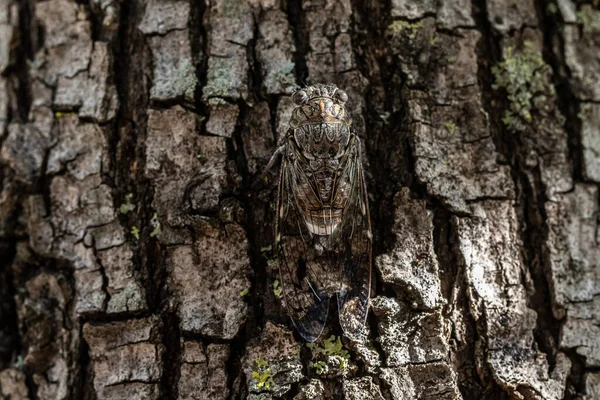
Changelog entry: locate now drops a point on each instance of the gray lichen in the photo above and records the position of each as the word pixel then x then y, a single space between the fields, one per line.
pixel 526 78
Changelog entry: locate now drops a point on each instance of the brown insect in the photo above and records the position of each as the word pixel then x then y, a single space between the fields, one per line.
pixel 323 234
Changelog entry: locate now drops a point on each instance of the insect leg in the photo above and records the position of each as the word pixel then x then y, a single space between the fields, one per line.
pixel 277 153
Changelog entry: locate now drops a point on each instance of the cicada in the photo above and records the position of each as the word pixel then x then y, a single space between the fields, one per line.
pixel 323 234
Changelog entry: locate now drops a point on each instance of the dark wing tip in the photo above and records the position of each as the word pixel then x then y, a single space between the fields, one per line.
pixel 311 324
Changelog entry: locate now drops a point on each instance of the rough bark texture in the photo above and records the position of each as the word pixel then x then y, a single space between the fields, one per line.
pixel 135 258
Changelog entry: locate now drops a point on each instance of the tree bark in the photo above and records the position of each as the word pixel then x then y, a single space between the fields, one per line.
pixel 135 240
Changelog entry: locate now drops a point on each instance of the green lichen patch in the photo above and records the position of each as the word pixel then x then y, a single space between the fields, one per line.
pixel 128 205
pixel 527 80
pixel 155 224
pixel 135 232
pixel 38 62
pixel 385 116
pixel 277 291
pixel 262 377
pixel 320 367
pixel 329 356
pixel 62 114
pixel 588 18
pixel 450 127
pixel 19 362
pixel 411 28
pixel 434 39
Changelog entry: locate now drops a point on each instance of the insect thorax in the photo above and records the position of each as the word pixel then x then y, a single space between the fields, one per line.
pixel 322 141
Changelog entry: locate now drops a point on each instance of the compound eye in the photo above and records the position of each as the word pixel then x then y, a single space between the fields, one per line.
pixel 300 97
pixel 341 96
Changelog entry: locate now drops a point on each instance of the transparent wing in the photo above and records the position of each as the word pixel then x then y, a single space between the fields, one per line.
pixel 314 267
pixel 302 270
pixel 355 243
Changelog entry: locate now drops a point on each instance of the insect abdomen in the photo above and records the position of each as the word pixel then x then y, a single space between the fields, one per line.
pixel 322 210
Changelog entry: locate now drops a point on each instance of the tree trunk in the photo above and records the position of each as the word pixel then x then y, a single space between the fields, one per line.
pixel 135 240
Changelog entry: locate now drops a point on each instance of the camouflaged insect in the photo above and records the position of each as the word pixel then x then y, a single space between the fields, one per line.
pixel 323 232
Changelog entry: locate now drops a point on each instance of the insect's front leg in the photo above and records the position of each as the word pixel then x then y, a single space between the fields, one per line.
pixel 280 150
